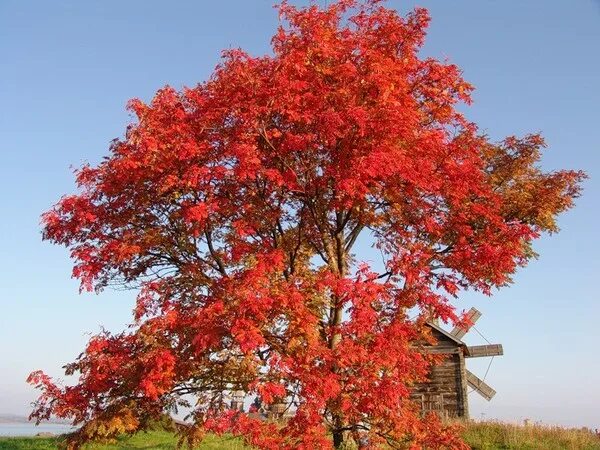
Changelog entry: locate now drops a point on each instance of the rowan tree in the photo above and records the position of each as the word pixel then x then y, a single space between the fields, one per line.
pixel 235 206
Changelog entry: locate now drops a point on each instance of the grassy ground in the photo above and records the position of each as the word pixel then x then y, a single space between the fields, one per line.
pixel 480 436
pixel 155 440
pixel 496 436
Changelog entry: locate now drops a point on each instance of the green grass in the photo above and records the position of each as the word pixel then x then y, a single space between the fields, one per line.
pixel 155 440
pixel 27 443
pixel 497 436
pixel 479 435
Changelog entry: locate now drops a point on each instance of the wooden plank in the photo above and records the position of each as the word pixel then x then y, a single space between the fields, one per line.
pixel 480 386
pixel 463 405
pixel 478 351
pixel 438 350
pixel 442 335
pixel 473 315
pixel 441 392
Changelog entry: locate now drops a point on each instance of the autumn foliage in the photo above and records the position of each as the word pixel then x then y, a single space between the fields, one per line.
pixel 235 206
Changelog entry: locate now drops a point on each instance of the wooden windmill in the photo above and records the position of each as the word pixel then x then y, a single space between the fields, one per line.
pixel 447 389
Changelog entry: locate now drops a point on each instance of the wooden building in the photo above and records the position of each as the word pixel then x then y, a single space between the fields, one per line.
pixel 446 392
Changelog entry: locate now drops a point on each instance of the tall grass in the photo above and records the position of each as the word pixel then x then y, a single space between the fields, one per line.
pixel 497 435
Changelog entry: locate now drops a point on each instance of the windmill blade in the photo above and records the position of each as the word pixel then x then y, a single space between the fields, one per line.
pixel 472 316
pixel 480 386
pixel 479 351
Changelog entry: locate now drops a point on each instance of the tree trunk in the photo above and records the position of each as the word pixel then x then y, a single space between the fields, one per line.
pixel 338 439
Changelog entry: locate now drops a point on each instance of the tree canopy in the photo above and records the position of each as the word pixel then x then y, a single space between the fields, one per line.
pixel 235 206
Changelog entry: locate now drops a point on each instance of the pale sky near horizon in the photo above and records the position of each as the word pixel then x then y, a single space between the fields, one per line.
pixel 69 67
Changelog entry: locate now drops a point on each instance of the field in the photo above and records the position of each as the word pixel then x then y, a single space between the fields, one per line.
pixel 497 435
pixel 480 436
pixel 159 440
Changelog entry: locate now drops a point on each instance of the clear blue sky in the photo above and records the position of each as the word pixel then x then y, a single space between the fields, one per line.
pixel 68 68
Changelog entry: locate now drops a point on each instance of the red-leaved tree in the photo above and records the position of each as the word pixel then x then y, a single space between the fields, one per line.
pixel 235 206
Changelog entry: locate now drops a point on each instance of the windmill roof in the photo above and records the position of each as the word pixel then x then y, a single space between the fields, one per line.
pixel 445 333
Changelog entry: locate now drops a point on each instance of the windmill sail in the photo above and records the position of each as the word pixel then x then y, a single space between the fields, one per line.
pixel 478 351
pixel 480 386
pixel 473 315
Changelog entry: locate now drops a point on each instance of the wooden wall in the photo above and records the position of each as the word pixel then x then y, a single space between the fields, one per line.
pixel 445 393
